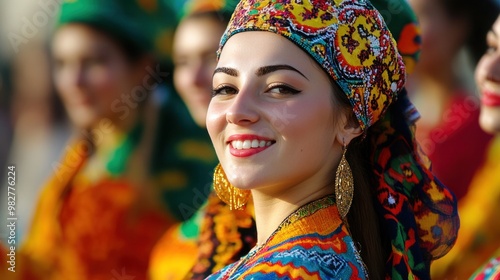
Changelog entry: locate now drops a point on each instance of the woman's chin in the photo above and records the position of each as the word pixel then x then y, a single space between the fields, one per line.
pixel 489 119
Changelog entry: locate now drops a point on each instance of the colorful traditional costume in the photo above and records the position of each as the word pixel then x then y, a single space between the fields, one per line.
pixel 350 41
pixel 102 212
pixel 490 271
pixel 312 243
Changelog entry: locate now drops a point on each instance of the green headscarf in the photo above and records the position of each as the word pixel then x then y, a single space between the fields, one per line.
pixel 147 24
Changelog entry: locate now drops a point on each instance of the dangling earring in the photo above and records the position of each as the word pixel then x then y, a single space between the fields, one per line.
pixel 232 196
pixel 344 185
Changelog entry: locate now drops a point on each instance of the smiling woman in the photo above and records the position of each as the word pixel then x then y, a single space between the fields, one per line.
pixel 346 139
pixel 479 239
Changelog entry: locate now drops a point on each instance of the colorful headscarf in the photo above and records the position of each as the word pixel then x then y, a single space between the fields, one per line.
pixel 351 42
pixel 402 22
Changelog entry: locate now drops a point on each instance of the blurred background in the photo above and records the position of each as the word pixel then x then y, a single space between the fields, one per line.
pixel 35 129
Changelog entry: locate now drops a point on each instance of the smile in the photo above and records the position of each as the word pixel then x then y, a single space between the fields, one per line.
pixel 244 145
pixel 249 144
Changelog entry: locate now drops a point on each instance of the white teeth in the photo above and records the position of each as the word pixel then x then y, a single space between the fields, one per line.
pixel 248 144
pixel 255 143
pixel 239 145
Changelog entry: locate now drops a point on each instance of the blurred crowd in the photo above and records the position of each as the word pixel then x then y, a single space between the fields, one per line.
pixel 102 113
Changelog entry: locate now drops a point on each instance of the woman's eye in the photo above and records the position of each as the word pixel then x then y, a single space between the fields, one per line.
pixel 491 48
pixel 283 89
pixel 224 90
pixel 93 62
pixel 491 43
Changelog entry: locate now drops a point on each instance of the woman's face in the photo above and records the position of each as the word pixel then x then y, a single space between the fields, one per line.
pixel 92 75
pixel 271 118
pixel 195 43
pixel 488 81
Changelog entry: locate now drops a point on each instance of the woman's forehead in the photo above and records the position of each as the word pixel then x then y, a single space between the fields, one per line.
pixel 257 48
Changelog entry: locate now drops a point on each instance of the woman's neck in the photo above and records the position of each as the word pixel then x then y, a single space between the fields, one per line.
pixel 271 210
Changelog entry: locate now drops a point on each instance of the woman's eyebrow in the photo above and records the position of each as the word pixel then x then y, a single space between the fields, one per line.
pixel 271 68
pixel 260 72
pixel 226 70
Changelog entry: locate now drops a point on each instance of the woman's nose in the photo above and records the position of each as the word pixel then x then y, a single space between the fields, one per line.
pixel 243 109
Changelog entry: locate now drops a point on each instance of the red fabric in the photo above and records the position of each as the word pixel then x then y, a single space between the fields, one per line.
pixel 457 146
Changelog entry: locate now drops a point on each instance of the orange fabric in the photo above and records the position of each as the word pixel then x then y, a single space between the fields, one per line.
pixel 173 250
pixel 100 230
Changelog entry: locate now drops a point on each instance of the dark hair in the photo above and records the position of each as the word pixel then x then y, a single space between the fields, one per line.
pixel 363 221
pixel 480 16
pixel 132 50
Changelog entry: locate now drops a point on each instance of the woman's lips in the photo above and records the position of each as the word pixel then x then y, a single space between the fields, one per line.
pixel 490 99
pixel 245 145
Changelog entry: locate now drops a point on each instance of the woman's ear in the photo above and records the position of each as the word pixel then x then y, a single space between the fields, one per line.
pixel 349 128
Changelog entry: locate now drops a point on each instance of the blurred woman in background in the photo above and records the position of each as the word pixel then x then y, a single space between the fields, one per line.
pixel 479 210
pixel 119 186
pixel 195 43
pixel 443 88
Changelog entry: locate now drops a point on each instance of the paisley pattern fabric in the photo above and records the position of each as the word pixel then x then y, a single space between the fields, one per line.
pixel 226 235
pixel 312 243
pixel 349 39
pixel 419 213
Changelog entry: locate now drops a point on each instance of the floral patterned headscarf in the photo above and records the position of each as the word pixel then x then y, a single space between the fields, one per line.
pixel 351 42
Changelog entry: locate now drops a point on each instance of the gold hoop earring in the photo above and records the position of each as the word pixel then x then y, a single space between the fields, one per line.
pixel 344 185
pixel 231 195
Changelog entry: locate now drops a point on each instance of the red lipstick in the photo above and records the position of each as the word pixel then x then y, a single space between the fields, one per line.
pixel 490 99
pixel 248 141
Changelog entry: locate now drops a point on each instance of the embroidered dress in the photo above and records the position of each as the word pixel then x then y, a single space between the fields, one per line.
pixel 101 224
pixel 311 243
pixel 490 271
pixel 226 236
